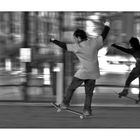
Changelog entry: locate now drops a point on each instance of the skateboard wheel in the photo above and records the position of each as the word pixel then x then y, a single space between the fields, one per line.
pixel 81 117
pixel 58 110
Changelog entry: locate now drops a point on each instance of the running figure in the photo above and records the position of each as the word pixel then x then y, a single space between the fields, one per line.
pixel 135 73
pixel 86 50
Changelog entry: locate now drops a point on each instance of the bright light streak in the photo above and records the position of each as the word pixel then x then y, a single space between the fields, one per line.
pixel 111 68
pixel 115 68
pixel 46 76
pixel 94 17
pixel 103 51
pixel 135 91
pixel 56 69
pixel 132 59
pixel 8 64
pixel 103 72
pixel 111 64
pixel 135 82
pixel 90 28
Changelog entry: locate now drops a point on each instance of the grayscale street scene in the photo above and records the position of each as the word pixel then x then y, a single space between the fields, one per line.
pixel 45 58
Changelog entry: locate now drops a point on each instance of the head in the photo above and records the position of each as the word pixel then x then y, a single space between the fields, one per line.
pixel 134 42
pixel 80 35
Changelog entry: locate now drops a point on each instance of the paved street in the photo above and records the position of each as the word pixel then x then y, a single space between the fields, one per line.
pixel 27 116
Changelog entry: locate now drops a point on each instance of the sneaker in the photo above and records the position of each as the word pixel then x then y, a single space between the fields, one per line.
pixel 87 113
pixel 64 106
pixel 123 93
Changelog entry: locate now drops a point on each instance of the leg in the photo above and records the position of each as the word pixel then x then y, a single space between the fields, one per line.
pixel 89 87
pixel 76 82
pixel 132 76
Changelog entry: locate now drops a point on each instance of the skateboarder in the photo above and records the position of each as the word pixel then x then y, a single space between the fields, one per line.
pixel 135 73
pixel 86 50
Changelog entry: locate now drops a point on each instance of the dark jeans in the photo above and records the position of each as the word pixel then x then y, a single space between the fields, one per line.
pixel 89 87
pixel 135 73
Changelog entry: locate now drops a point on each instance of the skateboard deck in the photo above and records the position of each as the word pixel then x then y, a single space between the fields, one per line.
pixel 80 114
pixel 131 98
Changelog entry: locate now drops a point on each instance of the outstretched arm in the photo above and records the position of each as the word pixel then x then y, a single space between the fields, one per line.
pixel 59 43
pixel 105 30
pixel 130 51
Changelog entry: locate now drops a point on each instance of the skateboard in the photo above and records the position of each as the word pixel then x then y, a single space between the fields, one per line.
pixel 81 115
pixel 131 98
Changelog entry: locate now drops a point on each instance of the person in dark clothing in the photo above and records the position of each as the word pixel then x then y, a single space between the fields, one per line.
pixel 86 50
pixel 135 73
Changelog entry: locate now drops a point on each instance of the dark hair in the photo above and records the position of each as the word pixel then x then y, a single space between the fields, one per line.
pixel 134 42
pixel 80 33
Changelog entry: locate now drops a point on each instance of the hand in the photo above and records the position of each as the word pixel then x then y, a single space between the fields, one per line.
pixel 52 39
pixel 107 23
